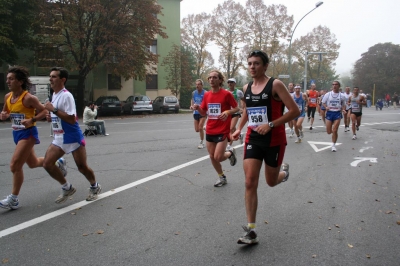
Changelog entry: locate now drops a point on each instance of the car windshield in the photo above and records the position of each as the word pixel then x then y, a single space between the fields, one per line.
pixel 110 100
pixel 171 100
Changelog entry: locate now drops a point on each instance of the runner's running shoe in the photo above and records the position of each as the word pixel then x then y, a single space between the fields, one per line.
pixel 9 203
pixel 65 194
pixel 249 238
pixel 220 181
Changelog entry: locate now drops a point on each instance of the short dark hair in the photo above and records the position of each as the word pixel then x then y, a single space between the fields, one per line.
pixel 22 74
pixel 63 73
pixel 260 54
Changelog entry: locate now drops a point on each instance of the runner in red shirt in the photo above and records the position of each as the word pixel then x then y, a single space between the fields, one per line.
pixel 220 105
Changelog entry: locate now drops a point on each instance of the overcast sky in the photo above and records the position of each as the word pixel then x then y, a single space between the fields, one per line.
pixel 357 24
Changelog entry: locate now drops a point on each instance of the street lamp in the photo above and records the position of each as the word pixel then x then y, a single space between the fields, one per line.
pixel 291 36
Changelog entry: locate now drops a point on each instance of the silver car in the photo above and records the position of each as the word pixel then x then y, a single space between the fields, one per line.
pixel 163 104
pixel 137 104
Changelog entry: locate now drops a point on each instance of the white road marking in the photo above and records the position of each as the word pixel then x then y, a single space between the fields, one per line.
pixel 326 144
pixel 80 204
pixel 361 159
pixel 365 148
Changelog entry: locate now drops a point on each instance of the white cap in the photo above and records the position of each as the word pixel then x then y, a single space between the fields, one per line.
pixel 232 79
pixel 297 87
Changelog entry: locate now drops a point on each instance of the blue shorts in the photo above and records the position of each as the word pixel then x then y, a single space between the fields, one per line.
pixel 333 116
pixel 323 107
pixel 26 134
pixel 302 114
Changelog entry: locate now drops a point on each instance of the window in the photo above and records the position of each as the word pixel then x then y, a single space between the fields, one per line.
pixel 153 47
pixel 151 82
pixel 2 82
pixel 114 82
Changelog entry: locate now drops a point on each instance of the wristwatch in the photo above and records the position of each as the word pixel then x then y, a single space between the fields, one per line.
pixel 271 125
pixel 55 110
pixel 33 120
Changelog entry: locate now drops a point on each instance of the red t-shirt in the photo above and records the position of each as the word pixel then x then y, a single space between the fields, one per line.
pixel 215 104
pixel 312 95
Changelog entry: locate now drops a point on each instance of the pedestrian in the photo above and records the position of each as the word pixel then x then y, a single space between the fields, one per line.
pixel 290 123
pixel 199 120
pixel 335 104
pixel 220 105
pixel 89 119
pixel 238 96
pixel 395 99
pixel 356 101
pixel 346 118
pixel 264 102
pixel 301 99
pixel 312 96
pixel 24 110
pixel 68 137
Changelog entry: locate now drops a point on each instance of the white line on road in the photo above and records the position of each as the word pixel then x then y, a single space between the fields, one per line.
pixel 77 205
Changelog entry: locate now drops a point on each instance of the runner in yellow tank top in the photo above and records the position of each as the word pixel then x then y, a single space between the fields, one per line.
pixel 20 108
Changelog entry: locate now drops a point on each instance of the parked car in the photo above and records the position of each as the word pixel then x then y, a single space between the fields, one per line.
pixel 136 104
pixel 108 105
pixel 163 104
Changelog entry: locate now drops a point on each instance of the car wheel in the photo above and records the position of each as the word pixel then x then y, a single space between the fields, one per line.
pixel 131 111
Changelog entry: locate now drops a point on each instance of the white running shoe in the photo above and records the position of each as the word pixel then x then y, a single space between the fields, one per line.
pixel 229 147
pixel 301 134
pixel 333 148
pixel 298 140
pixel 200 146
pixel 354 137
pixel 291 133
pixel 9 203
pixel 62 164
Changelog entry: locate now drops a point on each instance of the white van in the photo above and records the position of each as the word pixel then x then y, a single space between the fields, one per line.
pixel 40 87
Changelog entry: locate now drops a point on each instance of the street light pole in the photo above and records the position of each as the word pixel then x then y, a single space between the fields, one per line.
pixel 291 36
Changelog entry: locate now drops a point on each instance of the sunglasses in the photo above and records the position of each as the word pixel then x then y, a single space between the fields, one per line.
pixel 261 54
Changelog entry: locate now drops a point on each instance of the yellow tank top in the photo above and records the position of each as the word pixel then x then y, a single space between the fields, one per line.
pixel 19 108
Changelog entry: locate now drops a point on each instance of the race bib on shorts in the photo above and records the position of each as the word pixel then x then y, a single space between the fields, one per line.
pixel 214 110
pixel 257 116
pixel 16 121
pixel 56 124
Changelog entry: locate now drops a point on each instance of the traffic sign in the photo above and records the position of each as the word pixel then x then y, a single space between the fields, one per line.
pixel 284 76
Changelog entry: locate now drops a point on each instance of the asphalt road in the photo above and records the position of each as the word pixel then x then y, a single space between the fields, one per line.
pixel 159 205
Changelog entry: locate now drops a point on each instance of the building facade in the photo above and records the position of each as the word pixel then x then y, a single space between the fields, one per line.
pixel 100 82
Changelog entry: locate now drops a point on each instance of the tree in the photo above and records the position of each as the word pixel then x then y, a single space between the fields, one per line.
pixel 267 28
pixel 112 32
pixel 196 33
pixel 319 40
pixel 179 65
pixel 17 19
pixel 380 65
pixel 228 21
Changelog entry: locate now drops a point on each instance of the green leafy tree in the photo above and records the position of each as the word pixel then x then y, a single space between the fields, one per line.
pixel 320 39
pixel 17 20
pixel 380 65
pixel 179 65
pixel 112 32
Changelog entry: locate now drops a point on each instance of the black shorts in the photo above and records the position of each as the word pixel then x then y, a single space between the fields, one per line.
pixel 357 114
pixel 197 117
pixel 236 115
pixel 272 156
pixel 311 110
pixel 217 138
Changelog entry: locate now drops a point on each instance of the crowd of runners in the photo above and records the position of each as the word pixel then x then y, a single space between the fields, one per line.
pixel 263 107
